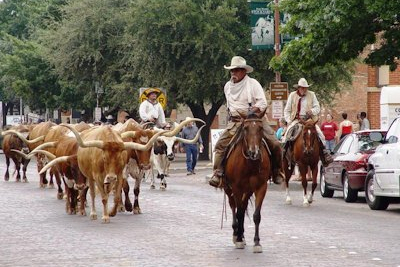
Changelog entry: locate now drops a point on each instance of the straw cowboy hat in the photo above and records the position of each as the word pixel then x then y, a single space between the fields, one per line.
pixel 153 91
pixel 238 62
pixel 303 83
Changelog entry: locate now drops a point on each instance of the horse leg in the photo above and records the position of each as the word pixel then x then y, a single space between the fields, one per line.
pixel 7 174
pixel 314 183
pixel 303 172
pixel 24 167
pixel 232 204
pixel 260 194
pixel 240 243
pixel 288 175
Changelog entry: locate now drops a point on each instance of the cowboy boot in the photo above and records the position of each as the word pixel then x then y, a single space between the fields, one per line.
pixel 278 175
pixel 324 154
pixel 216 180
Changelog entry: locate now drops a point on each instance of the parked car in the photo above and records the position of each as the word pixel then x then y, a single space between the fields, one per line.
pixel 349 168
pixel 382 185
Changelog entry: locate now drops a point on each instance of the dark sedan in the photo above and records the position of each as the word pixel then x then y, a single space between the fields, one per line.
pixel 348 171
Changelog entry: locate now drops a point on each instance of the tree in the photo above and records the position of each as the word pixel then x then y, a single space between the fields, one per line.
pixel 183 46
pixel 333 33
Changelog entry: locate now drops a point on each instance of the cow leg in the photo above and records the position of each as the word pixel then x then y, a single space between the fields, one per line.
pixel 17 169
pixel 92 188
pixel 163 184
pixel 117 196
pixel 136 191
pixel 43 181
pixel 152 186
pixel 7 174
pixel 126 188
pixel 82 200
pixel 24 167
pixel 56 173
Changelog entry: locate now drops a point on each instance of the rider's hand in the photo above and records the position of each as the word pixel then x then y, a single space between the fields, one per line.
pixel 309 113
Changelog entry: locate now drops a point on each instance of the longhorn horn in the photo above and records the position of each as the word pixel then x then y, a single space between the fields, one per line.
pixel 194 140
pixel 81 143
pixel 26 141
pixel 179 127
pixel 45 145
pixel 136 146
pixel 127 134
pixel 54 162
pixel 33 153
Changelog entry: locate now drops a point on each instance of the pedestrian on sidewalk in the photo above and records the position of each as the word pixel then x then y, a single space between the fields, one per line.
pixel 189 132
pixel 329 129
pixel 345 127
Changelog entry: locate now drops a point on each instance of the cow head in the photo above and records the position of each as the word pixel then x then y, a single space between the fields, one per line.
pixel 165 145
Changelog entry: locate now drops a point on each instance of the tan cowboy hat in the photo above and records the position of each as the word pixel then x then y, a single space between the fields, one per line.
pixel 151 91
pixel 238 62
pixel 303 83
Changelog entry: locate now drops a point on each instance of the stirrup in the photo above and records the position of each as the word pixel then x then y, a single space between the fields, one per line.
pixel 216 179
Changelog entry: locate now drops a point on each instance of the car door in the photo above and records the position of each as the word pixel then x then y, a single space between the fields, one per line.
pixel 387 167
pixel 334 170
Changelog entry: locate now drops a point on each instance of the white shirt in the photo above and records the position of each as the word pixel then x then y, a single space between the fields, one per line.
pixel 315 108
pixel 239 94
pixel 148 110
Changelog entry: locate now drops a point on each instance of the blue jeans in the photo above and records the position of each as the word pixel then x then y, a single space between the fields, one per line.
pixel 330 144
pixel 191 156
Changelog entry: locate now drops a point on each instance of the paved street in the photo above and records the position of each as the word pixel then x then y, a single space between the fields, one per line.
pixel 181 227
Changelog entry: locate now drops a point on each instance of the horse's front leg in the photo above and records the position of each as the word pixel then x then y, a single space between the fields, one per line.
pixel 288 175
pixel 232 204
pixel 303 172
pixel 260 194
pixel 314 183
pixel 241 202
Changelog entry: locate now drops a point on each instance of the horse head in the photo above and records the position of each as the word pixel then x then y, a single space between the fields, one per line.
pixel 252 137
pixel 310 136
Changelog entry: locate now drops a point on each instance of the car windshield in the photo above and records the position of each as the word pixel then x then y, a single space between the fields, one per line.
pixel 365 143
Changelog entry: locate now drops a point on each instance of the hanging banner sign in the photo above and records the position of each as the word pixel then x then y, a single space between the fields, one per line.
pixel 262 25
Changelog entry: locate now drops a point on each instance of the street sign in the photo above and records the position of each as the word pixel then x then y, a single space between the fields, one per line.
pixel 162 97
pixel 277 109
pixel 279 90
pixel 262 25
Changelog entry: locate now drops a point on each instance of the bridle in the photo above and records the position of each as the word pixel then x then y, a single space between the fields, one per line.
pixel 258 151
pixel 309 137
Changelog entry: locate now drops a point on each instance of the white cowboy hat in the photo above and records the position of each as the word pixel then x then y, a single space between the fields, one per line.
pixel 110 117
pixel 238 62
pixel 303 83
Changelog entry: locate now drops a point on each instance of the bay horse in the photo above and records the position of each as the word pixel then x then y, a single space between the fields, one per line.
pixel 305 153
pixel 247 170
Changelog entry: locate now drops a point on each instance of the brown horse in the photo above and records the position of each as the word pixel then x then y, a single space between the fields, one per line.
pixel 247 171
pixel 305 153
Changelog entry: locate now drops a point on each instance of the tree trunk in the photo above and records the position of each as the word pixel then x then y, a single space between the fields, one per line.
pixel 199 112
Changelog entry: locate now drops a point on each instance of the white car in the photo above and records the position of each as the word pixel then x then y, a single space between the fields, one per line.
pixel 382 185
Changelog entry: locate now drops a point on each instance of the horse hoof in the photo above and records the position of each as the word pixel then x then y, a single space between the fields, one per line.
pixel 240 245
pixel 25 180
pixel 234 238
pixel 137 211
pixel 288 202
pixel 51 186
pixel 257 249
pixel 306 204
pixel 152 186
pixel 18 180
pixel 60 195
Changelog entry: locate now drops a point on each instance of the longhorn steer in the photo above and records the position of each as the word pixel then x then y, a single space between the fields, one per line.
pixel 102 157
pixel 163 154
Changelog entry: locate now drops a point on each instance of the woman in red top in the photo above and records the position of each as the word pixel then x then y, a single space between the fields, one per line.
pixel 329 129
pixel 345 127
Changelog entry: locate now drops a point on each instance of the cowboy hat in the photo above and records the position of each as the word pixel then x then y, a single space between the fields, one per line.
pixel 152 91
pixel 303 83
pixel 238 62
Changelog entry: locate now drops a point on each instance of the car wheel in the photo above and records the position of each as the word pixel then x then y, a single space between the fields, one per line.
pixel 374 202
pixel 325 191
pixel 349 194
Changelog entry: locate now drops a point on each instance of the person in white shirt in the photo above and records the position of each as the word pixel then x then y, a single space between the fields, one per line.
pixel 243 93
pixel 151 110
pixel 303 104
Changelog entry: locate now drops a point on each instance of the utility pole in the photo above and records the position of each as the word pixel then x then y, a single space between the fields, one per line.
pixel 277 45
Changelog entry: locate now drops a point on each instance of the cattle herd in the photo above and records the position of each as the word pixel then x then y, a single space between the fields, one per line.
pixel 96 158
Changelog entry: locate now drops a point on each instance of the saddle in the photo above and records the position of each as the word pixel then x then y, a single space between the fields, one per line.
pixel 291 136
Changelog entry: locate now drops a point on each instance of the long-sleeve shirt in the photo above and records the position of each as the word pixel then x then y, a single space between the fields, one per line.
pixel 148 110
pixel 239 95
pixel 308 102
pixel 190 132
